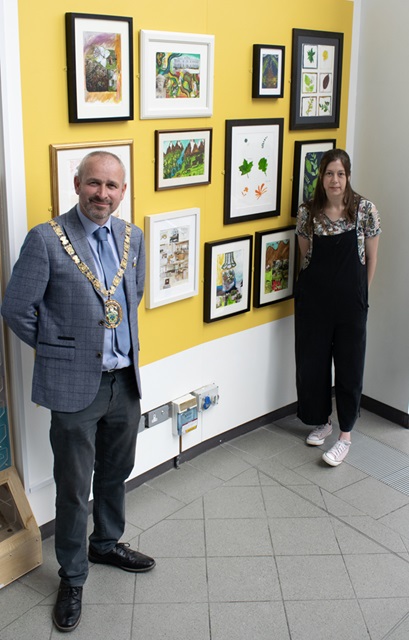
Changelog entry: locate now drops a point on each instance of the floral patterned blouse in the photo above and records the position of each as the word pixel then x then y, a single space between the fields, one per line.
pixel 368 226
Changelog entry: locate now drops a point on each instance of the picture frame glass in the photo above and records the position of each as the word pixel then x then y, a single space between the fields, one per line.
pixel 176 75
pixel 183 158
pixel 253 169
pixel 275 259
pixel 227 279
pixel 307 158
pixel 100 67
pixel 173 256
pixel 316 79
pixel 268 71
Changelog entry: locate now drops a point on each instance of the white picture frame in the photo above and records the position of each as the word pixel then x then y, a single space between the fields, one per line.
pixel 172 243
pixel 176 75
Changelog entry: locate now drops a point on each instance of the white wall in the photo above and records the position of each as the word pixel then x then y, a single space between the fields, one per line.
pixel 254 370
pixel 381 172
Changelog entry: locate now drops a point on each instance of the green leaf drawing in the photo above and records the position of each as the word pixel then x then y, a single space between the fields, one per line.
pixel 263 164
pixel 246 167
pixel 311 55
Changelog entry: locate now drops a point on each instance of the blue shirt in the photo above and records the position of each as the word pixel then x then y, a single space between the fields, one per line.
pixel 111 359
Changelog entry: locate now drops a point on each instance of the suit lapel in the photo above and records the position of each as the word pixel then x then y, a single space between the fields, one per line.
pixel 78 238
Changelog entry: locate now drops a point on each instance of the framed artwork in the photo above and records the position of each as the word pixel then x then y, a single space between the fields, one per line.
pixel 274 265
pixel 183 158
pixel 227 277
pixel 65 158
pixel 176 75
pixel 253 159
pixel 307 158
pixel 172 241
pixel 316 79
pixel 268 71
pixel 99 67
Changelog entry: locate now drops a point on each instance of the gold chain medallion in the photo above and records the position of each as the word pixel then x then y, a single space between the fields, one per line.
pixel 113 310
pixel 113 314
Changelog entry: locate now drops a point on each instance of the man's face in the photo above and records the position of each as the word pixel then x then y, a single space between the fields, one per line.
pixel 100 189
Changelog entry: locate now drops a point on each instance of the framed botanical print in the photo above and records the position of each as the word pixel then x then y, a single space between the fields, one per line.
pixel 316 79
pixel 253 165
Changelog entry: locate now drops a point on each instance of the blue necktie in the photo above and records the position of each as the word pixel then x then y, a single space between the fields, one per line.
pixel 110 267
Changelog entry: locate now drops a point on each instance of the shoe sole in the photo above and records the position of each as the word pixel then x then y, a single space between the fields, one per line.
pixel 118 566
pixel 66 629
pixel 332 463
pixel 317 443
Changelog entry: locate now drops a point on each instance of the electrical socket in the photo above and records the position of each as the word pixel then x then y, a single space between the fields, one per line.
pixel 158 415
pixel 206 396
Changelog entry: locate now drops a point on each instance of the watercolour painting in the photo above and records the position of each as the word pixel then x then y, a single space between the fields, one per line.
pixel 182 158
pixel 274 271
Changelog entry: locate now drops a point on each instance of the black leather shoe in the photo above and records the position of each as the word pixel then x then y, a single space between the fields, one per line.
pixel 67 610
pixel 123 557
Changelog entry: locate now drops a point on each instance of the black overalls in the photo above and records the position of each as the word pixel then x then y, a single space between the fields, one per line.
pixel 331 307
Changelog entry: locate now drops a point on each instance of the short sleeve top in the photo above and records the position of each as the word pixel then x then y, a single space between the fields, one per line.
pixel 367 225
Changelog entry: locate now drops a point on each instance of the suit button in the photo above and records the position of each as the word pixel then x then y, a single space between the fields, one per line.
pixel 99 355
pixel 101 323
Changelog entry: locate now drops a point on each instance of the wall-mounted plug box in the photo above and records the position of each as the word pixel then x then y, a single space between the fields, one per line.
pixel 184 412
pixel 158 415
pixel 206 396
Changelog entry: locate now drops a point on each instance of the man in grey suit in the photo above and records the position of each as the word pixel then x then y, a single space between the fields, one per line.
pixel 81 319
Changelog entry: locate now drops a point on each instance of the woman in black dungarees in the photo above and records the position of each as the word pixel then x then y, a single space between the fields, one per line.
pixel 338 233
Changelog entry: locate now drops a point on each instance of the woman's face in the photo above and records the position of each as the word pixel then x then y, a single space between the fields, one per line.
pixel 334 179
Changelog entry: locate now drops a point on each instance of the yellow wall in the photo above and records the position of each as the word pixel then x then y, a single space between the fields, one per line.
pixel 236 25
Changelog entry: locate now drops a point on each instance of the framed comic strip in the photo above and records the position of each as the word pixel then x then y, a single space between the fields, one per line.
pixel 64 160
pixel 176 75
pixel 307 158
pixel 227 278
pixel 268 71
pixel 99 67
pixel 253 165
pixel 183 158
pixel 274 265
pixel 172 241
pixel 316 79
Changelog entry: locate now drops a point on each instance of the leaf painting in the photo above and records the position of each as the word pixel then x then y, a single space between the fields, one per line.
pixel 246 167
pixel 262 165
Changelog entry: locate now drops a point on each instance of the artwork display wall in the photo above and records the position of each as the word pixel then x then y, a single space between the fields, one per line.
pixel 177 81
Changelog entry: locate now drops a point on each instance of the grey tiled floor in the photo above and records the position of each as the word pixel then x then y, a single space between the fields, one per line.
pixel 257 539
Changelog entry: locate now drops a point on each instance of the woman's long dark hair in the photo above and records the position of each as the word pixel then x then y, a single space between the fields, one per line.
pixel 317 204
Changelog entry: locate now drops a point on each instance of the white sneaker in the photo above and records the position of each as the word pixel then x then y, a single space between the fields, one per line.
pixel 337 453
pixel 318 435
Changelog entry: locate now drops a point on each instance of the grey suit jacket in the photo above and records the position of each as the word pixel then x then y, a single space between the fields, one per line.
pixel 52 306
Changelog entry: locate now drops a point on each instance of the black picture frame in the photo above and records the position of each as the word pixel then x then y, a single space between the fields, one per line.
pixel 227 278
pixel 275 258
pixel 99 67
pixel 253 169
pixel 316 73
pixel 307 158
pixel 268 71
